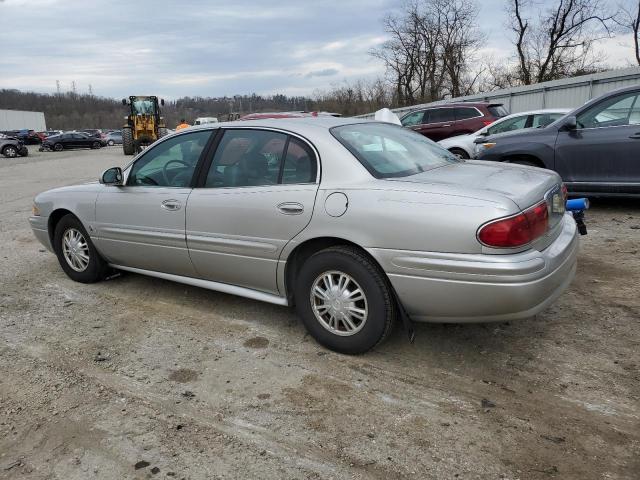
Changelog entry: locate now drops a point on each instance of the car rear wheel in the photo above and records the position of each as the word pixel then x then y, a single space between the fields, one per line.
pixel 76 253
pixel 10 151
pixel 95 145
pixel 460 153
pixel 111 143
pixel 58 147
pixel 344 300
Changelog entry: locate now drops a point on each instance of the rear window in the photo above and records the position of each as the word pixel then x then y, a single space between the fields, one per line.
pixel 388 151
pixel 497 111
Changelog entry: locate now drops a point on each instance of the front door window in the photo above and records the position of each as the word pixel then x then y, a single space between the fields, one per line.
pixel 171 163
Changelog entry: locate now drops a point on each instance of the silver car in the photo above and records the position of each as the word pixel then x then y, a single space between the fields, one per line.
pixel 355 223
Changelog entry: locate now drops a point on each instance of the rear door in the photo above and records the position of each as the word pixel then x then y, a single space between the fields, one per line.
pixel 142 224
pixel 468 120
pixel 439 123
pixel 603 152
pixel 258 194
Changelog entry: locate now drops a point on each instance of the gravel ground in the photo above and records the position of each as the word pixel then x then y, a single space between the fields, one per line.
pixel 141 378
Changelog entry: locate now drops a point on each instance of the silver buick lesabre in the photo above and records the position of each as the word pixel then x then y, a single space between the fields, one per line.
pixel 355 223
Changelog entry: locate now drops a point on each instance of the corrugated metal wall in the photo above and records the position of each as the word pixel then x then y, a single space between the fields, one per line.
pixel 18 120
pixel 565 93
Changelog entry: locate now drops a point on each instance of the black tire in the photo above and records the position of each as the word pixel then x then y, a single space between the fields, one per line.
pixel 24 152
pixel 381 307
pixel 10 151
pixel 111 143
pixel 460 153
pixel 128 145
pixel 58 147
pixel 96 145
pixel 96 268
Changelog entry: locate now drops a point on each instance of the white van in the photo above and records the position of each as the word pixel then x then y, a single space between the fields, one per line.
pixel 205 120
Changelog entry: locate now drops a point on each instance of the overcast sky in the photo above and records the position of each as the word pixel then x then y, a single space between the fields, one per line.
pixel 209 48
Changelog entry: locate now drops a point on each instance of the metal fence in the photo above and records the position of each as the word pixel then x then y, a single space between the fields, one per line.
pixel 565 93
pixel 19 119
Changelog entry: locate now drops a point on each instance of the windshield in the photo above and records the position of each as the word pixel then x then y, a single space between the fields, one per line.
pixel 143 106
pixel 391 151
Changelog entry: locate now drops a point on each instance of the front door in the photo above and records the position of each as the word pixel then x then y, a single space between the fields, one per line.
pixel 258 194
pixel 603 152
pixel 142 224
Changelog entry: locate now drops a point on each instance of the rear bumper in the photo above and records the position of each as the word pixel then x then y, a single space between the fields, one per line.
pixel 460 288
pixel 39 227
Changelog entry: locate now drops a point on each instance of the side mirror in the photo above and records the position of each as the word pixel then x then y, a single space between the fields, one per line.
pixel 162 102
pixel 570 123
pixel 112 176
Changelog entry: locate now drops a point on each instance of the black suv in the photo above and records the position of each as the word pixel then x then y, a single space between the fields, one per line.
pixel 595 148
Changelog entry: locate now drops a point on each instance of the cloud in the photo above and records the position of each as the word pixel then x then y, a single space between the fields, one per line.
pixel 211 48
pixel 326 72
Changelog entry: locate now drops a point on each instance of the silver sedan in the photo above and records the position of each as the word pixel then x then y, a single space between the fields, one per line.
pixel 355 223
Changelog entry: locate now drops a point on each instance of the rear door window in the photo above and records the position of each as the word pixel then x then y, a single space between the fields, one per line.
pixel 463 113
pixel 439 115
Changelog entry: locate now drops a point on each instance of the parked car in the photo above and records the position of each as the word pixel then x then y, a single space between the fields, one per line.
pixel 71 140
pixel 28 137
pixel 595 148
pixel 11 147
pixel 464 146
pixel 446 120
pixel 353 222
pixel 48 133
pixel 92 132
pixel 113 138
pixel 205 120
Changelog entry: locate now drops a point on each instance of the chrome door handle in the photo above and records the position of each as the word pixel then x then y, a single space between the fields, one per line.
pixel 291 208
pixel 171 205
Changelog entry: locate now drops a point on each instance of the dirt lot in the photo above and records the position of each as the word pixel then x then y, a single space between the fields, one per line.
pixel 142 378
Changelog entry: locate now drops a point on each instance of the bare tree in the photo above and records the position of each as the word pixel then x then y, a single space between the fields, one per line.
pixel 560 43
pixel 430 50
pixel 628 20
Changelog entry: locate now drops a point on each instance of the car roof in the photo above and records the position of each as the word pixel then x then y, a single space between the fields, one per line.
pixel 294 124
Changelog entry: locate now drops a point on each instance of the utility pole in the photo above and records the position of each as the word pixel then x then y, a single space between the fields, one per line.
pixel 90 91
pixel 58 87
pixel 73 87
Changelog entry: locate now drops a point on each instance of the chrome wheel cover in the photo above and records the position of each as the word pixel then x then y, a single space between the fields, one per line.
pixel 339 303
pixel 75 250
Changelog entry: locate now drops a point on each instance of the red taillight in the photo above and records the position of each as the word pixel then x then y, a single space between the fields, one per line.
pixel 487 122
pixel 517 230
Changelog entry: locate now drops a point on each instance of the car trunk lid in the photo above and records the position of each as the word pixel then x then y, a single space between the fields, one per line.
pixel 525 186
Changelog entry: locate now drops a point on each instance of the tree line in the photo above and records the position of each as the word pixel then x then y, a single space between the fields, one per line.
pixel 435 50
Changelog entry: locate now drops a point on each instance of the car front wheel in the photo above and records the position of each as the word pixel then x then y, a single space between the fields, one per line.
pixel 344 300
pixel 76 253
pixel 10 151
pixel 58 147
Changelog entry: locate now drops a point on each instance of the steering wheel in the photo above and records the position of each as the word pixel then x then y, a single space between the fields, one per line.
pixel 164 169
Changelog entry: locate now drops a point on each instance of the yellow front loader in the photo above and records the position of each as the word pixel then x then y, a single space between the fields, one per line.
pixel 143 125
